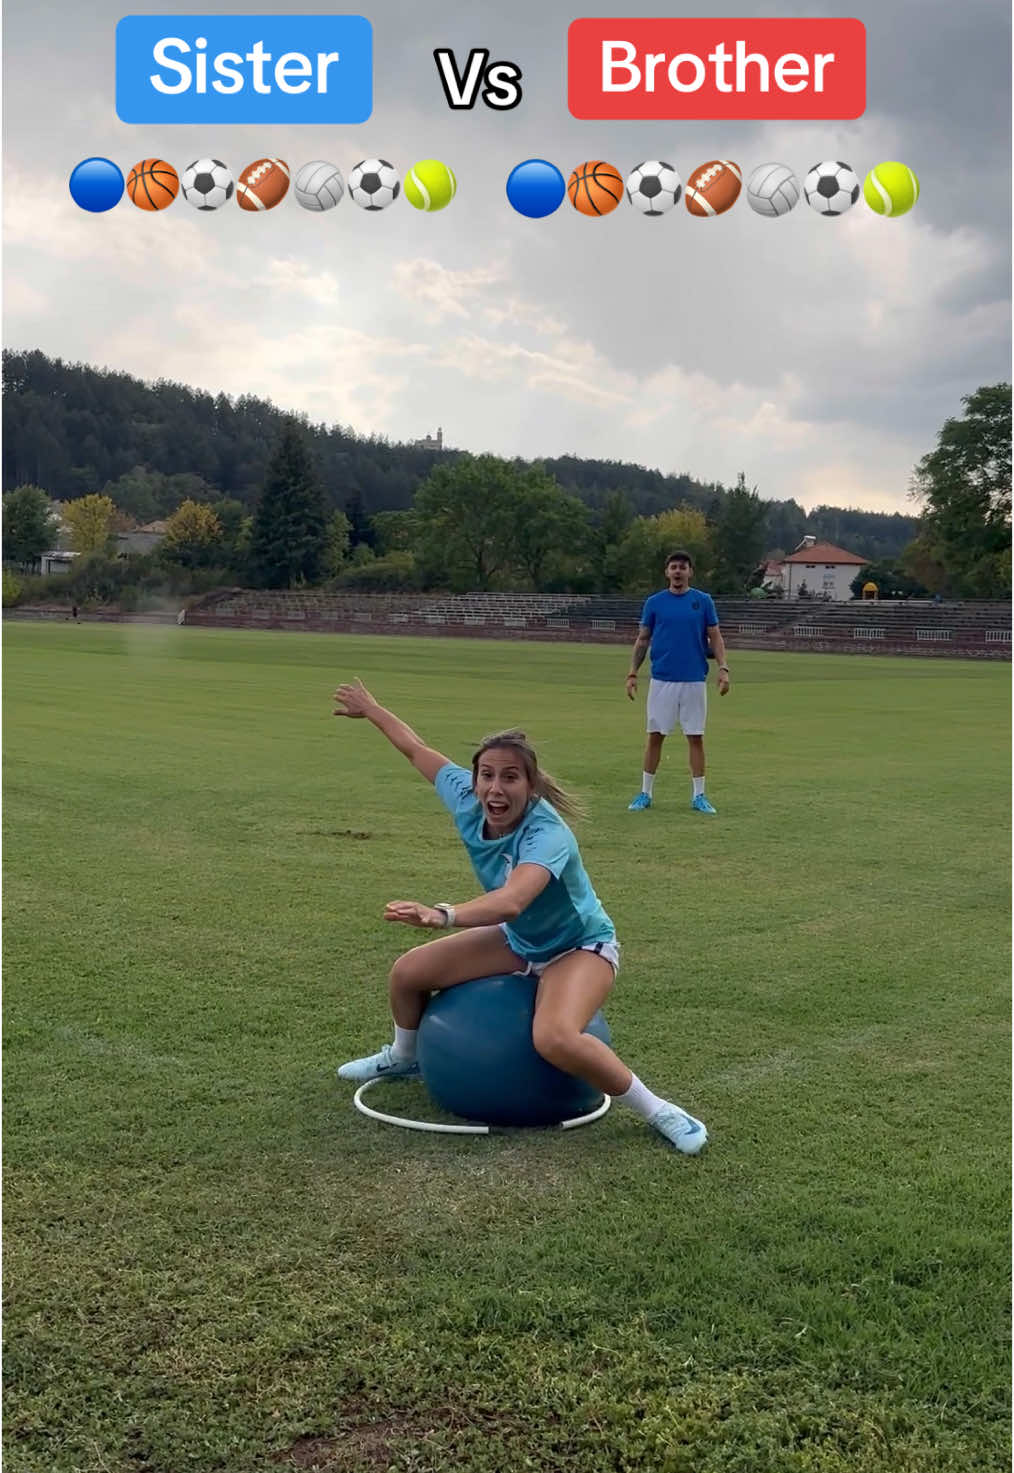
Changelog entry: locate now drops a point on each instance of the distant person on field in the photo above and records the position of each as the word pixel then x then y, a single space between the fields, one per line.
pixel 539 917
pixel 73 612
pixel 679 625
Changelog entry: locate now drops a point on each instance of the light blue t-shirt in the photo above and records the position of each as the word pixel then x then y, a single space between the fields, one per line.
pixel 567 913
pixel 679 624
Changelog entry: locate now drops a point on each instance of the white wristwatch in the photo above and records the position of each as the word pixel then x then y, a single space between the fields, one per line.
pixel 447 912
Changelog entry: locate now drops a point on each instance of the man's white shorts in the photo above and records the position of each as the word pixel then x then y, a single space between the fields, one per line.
pixel 677 701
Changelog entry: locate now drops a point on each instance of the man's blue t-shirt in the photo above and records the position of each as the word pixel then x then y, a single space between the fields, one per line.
pixel 567 913
pixel 679 624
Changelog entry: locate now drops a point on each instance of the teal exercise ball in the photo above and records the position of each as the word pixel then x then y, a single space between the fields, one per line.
pixel 478 1061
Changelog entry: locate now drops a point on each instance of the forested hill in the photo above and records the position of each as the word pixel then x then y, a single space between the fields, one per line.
pixel 73 429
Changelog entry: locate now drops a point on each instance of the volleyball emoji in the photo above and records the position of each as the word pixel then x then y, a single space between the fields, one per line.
pixel 430 185
pixel 153 184
pixel 772 190
pixel 595 188
pixel 319 185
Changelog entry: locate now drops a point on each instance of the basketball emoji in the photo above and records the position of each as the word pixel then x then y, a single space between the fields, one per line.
pixel 153 184
pixel 595 188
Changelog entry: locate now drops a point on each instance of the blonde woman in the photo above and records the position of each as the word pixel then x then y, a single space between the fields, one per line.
pixel 539 916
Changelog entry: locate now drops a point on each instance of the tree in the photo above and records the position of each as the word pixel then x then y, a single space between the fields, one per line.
pixel 30 527
pixel 360 525
pixel 785 525
pixel 549 524
pixel 892 579
pixel 231 515
pixel 872 534
pixel 393 531
pixel 649 540
pixel 290 524
pixel 89 521
pixel 966 486
pixel 467 516
pixel 739 538
pixel 139 492
pixel 193 536
pixel 336 549
pixel 921 562
pixel 393 571
pixel 610 528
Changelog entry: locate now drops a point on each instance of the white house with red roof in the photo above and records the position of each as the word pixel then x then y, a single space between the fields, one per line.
pixel 822 570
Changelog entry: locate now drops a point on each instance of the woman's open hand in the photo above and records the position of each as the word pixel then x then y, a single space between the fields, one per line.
pixel 414 913
pixel 353 700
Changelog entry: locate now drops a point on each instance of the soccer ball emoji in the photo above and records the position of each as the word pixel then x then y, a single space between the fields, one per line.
pixel 654 187
pixel 374 184
pixel 831 188
pixel 207 184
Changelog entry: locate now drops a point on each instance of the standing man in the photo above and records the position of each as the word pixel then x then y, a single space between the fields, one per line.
pixel 679 624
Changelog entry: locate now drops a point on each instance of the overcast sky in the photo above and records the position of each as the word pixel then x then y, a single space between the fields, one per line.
pixel 819 356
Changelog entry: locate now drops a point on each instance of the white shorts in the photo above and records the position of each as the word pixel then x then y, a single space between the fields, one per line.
pixel 609 951
pixel 672 701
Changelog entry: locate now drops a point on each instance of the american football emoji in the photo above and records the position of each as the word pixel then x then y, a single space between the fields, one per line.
pixel 714 187
pixel 262 184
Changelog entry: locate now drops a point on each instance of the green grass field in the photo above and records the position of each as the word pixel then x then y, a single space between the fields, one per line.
pixel 214 1263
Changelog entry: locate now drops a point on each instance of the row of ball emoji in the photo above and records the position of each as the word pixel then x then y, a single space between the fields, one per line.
pixel 207 184
pixel 535 188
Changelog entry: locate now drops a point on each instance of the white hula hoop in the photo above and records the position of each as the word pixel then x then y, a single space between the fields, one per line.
pixel 432 1125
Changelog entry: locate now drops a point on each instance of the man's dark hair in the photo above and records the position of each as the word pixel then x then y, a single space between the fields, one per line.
pixel 680 556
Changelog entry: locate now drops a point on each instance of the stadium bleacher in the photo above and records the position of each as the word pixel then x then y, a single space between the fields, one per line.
pixel 915 626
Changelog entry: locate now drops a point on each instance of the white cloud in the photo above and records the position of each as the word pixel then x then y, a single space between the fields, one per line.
pixel 437 292
pixel 819 356
pixel 296 279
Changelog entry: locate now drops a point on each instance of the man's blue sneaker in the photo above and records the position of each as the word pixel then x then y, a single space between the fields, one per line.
pixel 385 1065
pixel 643 800
pixel 682 1130
pixel 700 804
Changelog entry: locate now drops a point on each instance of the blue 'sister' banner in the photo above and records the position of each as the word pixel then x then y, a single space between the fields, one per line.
pixel 244 69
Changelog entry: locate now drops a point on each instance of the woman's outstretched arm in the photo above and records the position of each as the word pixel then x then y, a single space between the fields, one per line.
pixel 355 701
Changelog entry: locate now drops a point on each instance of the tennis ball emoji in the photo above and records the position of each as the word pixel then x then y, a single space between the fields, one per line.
pixel 891 189
pixel 430 185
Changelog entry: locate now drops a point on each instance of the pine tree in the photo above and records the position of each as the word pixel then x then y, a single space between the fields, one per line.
pixel 739 538
pixel 290 524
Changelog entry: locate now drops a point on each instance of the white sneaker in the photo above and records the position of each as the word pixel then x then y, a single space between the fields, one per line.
pixel 384 1065
pixel 683 1131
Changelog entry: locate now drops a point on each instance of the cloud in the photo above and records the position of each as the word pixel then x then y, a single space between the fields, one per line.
pixel 819 356
pixel 438 292
pixel 289 278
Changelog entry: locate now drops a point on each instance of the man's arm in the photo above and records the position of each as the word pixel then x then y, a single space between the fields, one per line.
pixel 356 701
pixel 717 644
pixel 642 644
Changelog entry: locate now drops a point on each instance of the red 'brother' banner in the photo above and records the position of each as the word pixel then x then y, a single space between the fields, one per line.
pixel 715 68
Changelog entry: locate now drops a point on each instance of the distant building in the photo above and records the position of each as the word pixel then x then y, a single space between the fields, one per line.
pixel 826 570
pixel 140 539
pixel 772 577
pixel 57 561
pixel 428 442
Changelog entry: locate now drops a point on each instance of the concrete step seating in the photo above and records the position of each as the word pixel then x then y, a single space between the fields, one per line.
pixel 972 622
pixel 908 621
